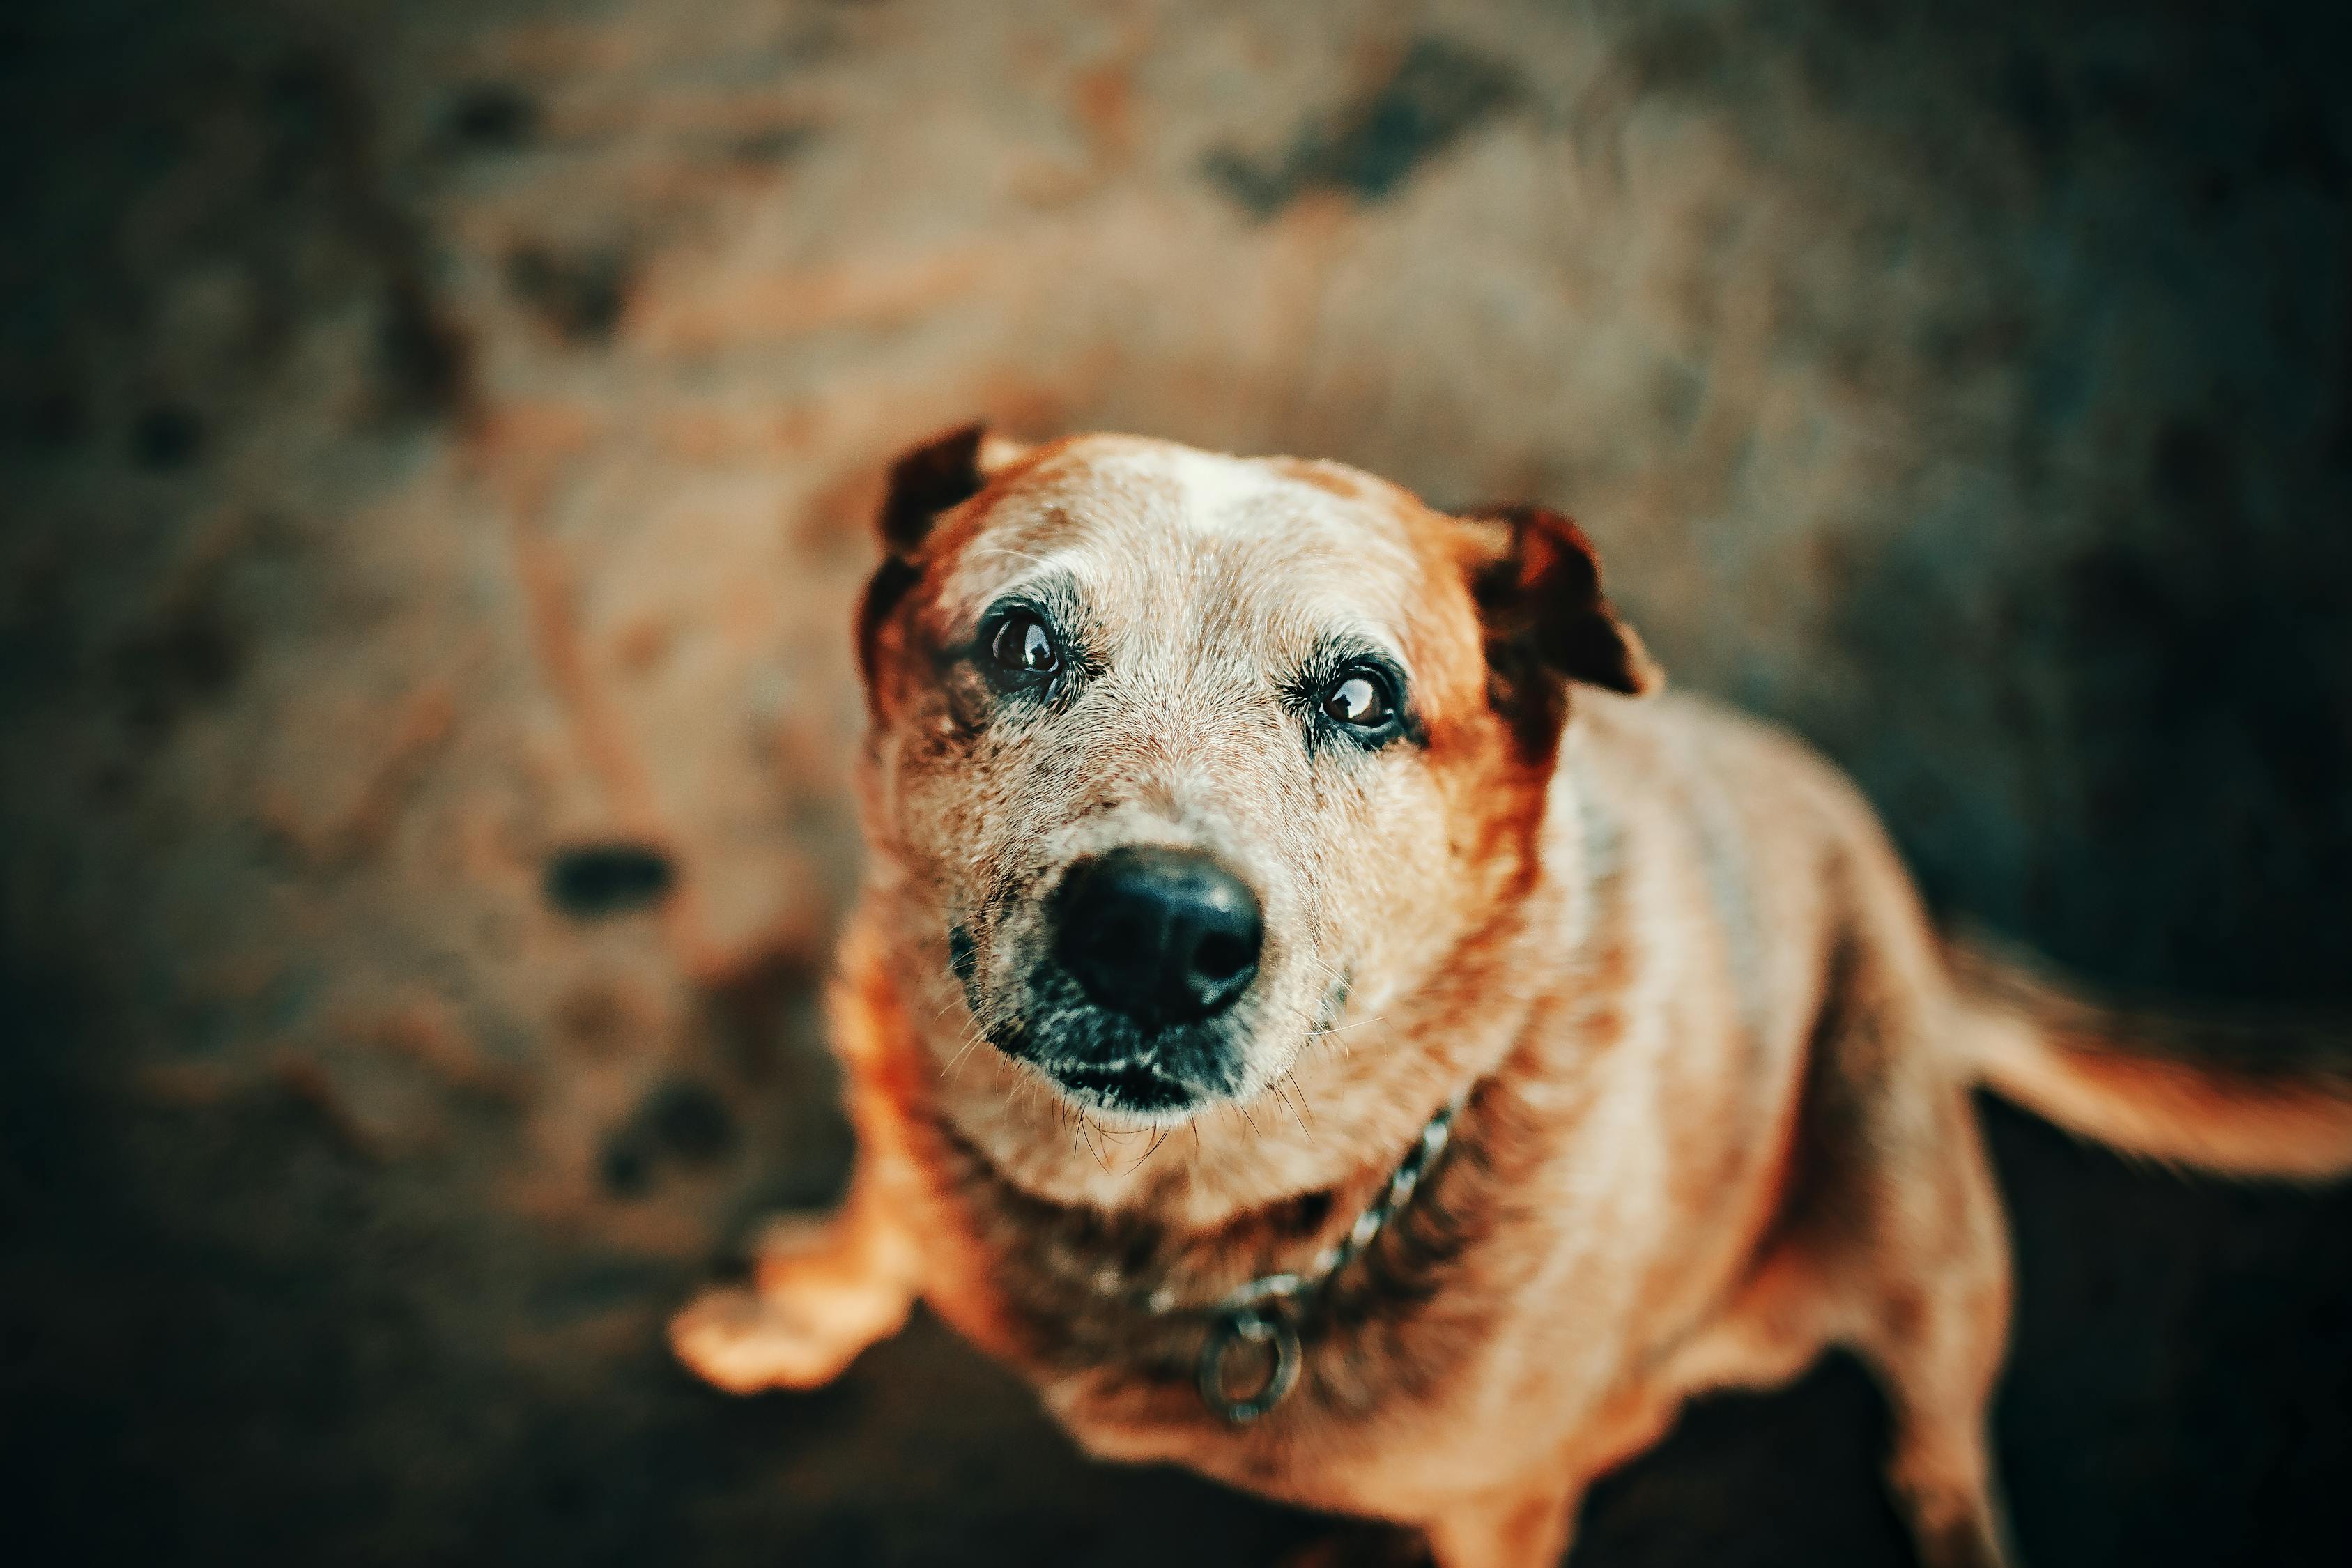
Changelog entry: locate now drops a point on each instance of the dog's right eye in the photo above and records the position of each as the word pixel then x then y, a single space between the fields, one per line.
pixel 1023 646
pixel 1358 700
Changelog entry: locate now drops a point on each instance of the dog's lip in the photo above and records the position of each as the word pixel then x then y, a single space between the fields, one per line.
pixel 1134 1086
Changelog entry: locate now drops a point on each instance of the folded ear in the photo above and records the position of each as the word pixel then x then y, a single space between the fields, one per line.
pixel 936 477
pixel 925 482
pixel 1537 583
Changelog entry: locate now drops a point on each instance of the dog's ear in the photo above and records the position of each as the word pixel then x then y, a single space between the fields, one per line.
pixel 1537 583
pixel 927 481
pixel 936 477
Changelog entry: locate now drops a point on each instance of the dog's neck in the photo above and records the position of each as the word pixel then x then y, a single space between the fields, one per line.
pixel 1079 1292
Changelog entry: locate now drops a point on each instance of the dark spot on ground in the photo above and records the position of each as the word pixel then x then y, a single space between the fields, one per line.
pixel 1437 93
pixel 597 880
pixel 493 116
pixel 190 654
pixel 167 436
pixel 423 362
pixel 686 1119
pixel 579 294
pixel 681 1121
pixel 624 1164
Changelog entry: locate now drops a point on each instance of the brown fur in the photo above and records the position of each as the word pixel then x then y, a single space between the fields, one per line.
pixel 1716 1062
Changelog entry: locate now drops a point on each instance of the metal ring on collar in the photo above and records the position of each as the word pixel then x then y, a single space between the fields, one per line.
pixel 1267 1321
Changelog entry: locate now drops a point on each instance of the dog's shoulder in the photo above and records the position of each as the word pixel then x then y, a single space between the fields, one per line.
pixel 1773 847
pixel 1701 752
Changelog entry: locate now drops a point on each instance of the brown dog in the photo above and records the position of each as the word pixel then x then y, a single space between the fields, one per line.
pixel 1233 823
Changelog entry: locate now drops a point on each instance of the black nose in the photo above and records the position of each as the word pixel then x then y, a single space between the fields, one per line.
pixel 1165 936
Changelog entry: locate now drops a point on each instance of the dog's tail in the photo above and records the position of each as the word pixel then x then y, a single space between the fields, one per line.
pixel 2244 1097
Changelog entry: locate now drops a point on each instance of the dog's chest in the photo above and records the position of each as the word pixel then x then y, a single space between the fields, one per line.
pixel 1108 1314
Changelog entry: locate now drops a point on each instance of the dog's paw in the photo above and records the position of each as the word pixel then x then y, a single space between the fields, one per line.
pixel 744 1342
pixel 813 1310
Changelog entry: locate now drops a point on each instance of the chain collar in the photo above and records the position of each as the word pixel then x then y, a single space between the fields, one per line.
pixel 1267 1311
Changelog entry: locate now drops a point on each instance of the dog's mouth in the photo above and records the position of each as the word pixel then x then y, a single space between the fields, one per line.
pixel 1104 1060
pixel 1138 1090
pixel 1101 1063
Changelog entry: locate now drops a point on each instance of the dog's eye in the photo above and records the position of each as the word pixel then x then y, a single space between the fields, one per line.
pixel 1358 697
pixel 1023 643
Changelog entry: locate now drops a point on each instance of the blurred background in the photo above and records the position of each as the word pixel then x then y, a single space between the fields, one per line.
pixel 436 445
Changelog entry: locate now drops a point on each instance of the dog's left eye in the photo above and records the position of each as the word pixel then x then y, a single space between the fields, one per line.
pixel 1358 697
pixel 1022 644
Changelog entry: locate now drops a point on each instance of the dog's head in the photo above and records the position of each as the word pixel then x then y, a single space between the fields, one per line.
pixel 1174 752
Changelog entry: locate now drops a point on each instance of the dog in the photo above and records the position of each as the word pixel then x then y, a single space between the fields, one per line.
pixel 1315 1014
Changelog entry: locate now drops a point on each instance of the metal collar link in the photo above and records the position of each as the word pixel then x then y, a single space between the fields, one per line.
pixel 1267 1311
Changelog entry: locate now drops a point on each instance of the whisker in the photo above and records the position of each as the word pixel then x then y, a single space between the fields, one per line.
pixel 1294 1089
pixel 962 1051
pixel 1285 1099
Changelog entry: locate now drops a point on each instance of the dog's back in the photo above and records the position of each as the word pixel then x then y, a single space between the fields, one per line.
pixel 1791 846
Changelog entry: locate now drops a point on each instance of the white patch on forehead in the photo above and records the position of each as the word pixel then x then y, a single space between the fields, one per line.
pixel 1220 493
pixel 1138 519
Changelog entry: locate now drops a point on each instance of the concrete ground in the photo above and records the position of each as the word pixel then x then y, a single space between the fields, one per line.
pixel 436 441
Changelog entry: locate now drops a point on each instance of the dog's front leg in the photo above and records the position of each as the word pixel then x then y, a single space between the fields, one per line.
pixel 1525 1526
pixel 822 1291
